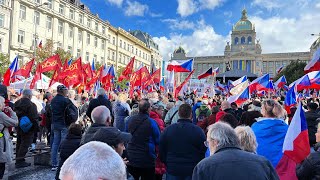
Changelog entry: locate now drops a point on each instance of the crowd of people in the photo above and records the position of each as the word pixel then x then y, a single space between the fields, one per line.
pixel 153 136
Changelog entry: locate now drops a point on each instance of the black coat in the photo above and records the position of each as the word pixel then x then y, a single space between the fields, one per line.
pixel 233 163
pixel 312 122
pixel 87 136
pixel 69 146
pixel 100 100
pixel 310 167
pixel 182 147
pixel 24 107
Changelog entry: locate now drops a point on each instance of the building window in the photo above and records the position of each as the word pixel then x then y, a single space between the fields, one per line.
pixel 243 40
pixel 103 45
pixel 113 55
pixel 236 40
pixel 22 14
pixel 37 1
pixel 36 18
pixel 95 42
pixel 120 58
pixel 61 9
pixel 78 52
pixel 80 35
pixel 95 57
pixel 109 38
pixel 2 2
pixel 132 49
pixel 81 18
pixel 143 55
pixel 49 23
pixel 97 26
pixel 1 40
pixel 60 27
pixel 71 14
pixel 120 44
pixel 108 54
pixel 89 23
pixel 128 49
pixel 49 4
pixel 70 49
pixel 20 36
pixel 1 20
pixel 124 45
pixel 114 41
pixel 59 45
pixel 139 53
pixel 88 38
pixel 249 40
pixel 103 30
pixel 70 31
pixel 102 60
pixel 87 56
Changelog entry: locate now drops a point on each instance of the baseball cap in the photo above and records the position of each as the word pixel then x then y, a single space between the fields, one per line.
pixel 61 88
pixel 111 136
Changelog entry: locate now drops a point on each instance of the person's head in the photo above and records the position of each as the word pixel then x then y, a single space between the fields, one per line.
pixel 47 96
pixel 271 108
pixel 144 106
pixel 312 106
pixel 101 115
pixel 234 105
pixel 2 104
pixel 185 111
pixel 62 90
pixel 215 109
pixel 205 101
pixel 318 134
pixel 93 160
pixel 113 137
pixel 75 129
pixel 158 108
pixel 230 119
pixel 247 138
pixel 221 135
pixel 27 93
pixel 225 105
pixel 71 94
pixel 123 97
pixel 101 92
pixel 3 91
pixel 169 105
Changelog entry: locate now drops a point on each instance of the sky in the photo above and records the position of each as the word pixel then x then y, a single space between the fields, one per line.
pixel 202 27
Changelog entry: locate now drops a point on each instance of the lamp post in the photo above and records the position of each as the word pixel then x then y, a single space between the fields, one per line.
pixel 35 29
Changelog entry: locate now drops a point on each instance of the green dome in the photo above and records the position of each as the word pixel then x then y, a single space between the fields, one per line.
pixel 180 50
pixel 244 23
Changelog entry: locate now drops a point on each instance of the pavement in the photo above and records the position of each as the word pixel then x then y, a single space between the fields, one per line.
pixel 36 173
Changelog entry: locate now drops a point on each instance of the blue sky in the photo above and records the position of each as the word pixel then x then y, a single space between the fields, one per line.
pixel 202 27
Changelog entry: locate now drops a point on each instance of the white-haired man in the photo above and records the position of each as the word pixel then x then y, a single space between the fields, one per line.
pixel 94 160
pixel 100 100
pixel 229 161
pixel 101 118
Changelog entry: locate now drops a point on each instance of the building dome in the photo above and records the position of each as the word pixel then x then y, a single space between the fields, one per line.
pixel 179 50
pixel 243 24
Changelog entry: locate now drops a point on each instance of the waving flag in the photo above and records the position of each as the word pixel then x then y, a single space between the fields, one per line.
pixel 87 71
pixel 260 83
pixel 239 88
pixel 10 71
pixel 178 89
pixel 25 70
pixel 183 66
pixel 128 70
pixel 209 72
pixel 238 81
pixel 280 82
pixel 314 78
pixel 295 146
pixel 55 77
pixel 280 69
pixel 290 100
pixel 216 71
pixel 270 86
pixel 240 98
pixel 314 64
pixel 140 76
pixel 162 84
pixel 36 77
pixel 40 44
pixel 155 77
pixel 301 83
pixel 50 63
pixel 220 86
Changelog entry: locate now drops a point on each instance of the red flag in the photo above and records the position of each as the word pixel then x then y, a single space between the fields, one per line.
pixel 140 76
pixel 128 70
pixel 36 77
pixel 87 70
pixel 156 76
pixel 55 77
pixel 94 79
pixel 74 68
pixel 40 44
pixel 65 65
pixel 178 89
pixel 25 70
pixel 50 63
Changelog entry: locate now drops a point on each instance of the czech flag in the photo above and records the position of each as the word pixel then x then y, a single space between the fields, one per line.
pixel 314 78
pixel 162 84
pixel 290 100
pixel 280 82
pixel 209 72
pixel 260 83
pixel 238 81
pixel 295 146
pixel 216 71
pixel 241 97
pixel 314 64
pixel 301 83
pixel 280 69
pixel 220 86
pixel 183 66
pixel 14 66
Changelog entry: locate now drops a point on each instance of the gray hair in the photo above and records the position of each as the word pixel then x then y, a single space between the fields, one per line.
pixel 71 93
pixel 224 134
pixel 27 93
pixel 101 92
pixel 94 160
pixel 100 114
pixel 2 100
pixel 225 105
pixel 248 141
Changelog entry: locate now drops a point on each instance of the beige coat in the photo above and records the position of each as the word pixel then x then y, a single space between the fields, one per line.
pixel 5 122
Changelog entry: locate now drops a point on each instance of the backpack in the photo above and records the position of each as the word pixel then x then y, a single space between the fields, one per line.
pixel 202 114
pixel 70 113
pixel 25 124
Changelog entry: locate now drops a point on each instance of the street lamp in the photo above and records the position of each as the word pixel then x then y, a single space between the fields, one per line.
pixel 35 30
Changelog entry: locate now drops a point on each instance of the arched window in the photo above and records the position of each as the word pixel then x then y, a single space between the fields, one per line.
pixel 243 40
pixel 236 40
pixel 249 40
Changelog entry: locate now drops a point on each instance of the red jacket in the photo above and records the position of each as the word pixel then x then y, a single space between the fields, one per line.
pixel 160 167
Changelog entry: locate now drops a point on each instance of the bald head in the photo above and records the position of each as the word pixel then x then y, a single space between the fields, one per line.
pixel 101 115
pixel 225 105
pixel 144 106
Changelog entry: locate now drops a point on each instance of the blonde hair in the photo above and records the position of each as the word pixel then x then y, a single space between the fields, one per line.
pixel 122 97
pixel 271 108
pixel 248 141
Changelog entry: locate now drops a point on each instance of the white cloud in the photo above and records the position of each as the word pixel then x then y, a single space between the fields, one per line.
pixel 135 9
pixel 268 4
pixel 115 2
pixel 188 7
pixel 210 4
pixel 155 15
pixel 175 24
pixel 318 5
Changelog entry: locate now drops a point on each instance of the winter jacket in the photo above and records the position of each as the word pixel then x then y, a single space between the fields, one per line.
pixel 100 100
pixel 87 136
pixel 172 115
pixel 312 121
pixel 249 117
pixel 6 146
pixel 24 107
pixel 121 111
pixel 232 163
pixel 48 115
pixel 310 167
pixel 182 147
pixel 58 106
pixel 68 146
pixel 160 167
pixel 194 108
pixel 204 109
pixel 145 137
pixel 270 132
pixel 207 122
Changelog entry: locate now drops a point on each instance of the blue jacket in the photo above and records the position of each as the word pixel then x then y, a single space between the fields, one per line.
pixel 182 147
pixel 58 106
pixel 194 108
pixel 270 134
pixel 145 136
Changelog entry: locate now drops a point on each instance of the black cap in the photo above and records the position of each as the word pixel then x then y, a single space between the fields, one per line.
pixel 111 135
pixel 62 87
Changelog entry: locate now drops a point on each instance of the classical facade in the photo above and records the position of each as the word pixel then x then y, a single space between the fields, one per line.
pixel 244 52
pixel 71 26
